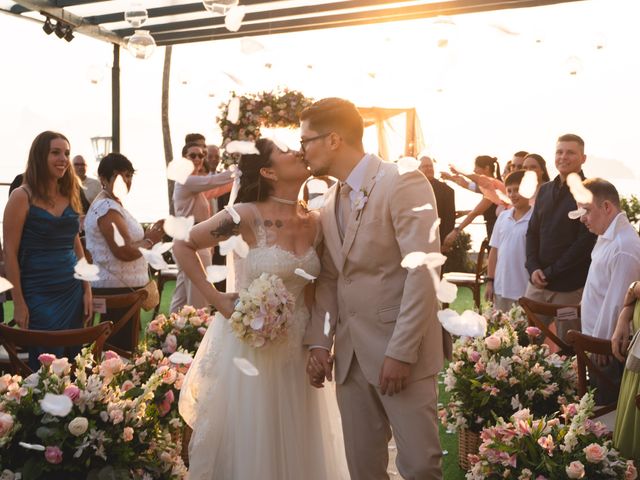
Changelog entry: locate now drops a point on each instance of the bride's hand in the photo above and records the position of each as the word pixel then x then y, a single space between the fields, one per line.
pixel 225 303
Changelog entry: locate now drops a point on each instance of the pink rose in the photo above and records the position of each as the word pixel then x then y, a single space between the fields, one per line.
pixel 170 344
pixel 202 331
pixel 631 473
pixel 46 359
pixel 72 392
pixel 474 356
pixel 595 453
pixel 164 406
pixel 53 455
pixel 533 331
pixel 110 354
pixel 492 342
pixel 6 424
pixel 116 415
pixel 127 434
pixel 154 327
pixel 575 470
pixel 127 385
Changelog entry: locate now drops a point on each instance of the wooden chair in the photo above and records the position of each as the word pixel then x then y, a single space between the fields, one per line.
pixel 583 346
pixel 472 281
pixel 132 302
pixel 535 310
pixel 12 338
pixel 163 276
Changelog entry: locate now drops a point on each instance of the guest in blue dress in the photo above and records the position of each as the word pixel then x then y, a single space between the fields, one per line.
pixel 42 245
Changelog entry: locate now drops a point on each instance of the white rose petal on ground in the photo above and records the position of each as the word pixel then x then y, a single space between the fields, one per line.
pixel 154 256
pixel 233 18
pixel 234 243
pixel 407 164
pixel 179 170
pixel 576 214
pixel 235 216
pixel 447 291
pixel 246 367
pixel 580 193
pixel 327 324
pixel 178 227
pixel 85 271
pixel 426 206
pixel 216 273
pixel 5 285
pixel 32 446
pixel 529 184
pixel 117 236
pixel 180 358
pixel 242 147
pixel 233 113
pixel 434 230
pixel 301 273
pixel 57 405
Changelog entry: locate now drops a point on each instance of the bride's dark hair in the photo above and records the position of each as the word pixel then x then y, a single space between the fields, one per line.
pixel 253 186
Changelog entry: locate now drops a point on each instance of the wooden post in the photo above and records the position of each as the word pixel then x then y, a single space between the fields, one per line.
pixel 115 100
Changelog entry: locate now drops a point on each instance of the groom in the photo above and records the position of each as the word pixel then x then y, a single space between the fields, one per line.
pixel 382 317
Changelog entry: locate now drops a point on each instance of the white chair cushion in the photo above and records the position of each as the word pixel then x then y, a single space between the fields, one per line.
pixel 459 277
pixel 4 355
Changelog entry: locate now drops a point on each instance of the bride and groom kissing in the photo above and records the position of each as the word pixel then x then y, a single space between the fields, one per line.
pixel 378 319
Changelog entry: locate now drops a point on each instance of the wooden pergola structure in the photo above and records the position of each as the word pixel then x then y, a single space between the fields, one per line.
pixel 173 22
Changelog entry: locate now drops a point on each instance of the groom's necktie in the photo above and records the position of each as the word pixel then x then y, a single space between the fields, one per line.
pixel 344 209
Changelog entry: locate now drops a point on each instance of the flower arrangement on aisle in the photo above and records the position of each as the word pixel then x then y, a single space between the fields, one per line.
pixel 262 312
pixel 551 448
pixel 268 109
pixel 183 329
pixel 108 419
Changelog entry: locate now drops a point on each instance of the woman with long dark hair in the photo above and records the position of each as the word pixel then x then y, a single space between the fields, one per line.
pixel 42 244
pixel 277 416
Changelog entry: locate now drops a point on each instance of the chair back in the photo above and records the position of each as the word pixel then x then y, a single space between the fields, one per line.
pixel 535 310
pixel 132 302
pixel 482 263
pixel 12 338
pixel 583 345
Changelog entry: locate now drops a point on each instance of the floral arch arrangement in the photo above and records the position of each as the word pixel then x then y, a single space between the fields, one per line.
pixel 279 109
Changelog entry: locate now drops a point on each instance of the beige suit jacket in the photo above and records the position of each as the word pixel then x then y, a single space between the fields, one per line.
pixel 376 307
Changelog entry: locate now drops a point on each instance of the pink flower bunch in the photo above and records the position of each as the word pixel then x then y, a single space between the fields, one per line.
pixel 183 329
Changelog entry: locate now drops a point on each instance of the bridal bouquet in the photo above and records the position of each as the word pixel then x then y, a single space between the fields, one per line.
pixel 262 312
pixel 568 446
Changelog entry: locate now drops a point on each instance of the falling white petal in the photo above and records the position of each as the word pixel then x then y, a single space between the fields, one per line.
pixel 301 273
pixel 529 184
pixel 282 146
pixel 178 227
pixel 86 271
pixel 407 164
pixel 154 256
pixel 316 203
pixel 234 110
pixel 234 79
pixel 434 230
pixel 249 46
pixel 317 187
pixel 434 259
pixel 245 366
pixel 327 324
pixel 426 206
pixel 57 405
pixel 234 243
pixel 117 236
pixel 120 189
pixel 180 358
pixel 234 214
pixel 580 193
pixel 413 260
pixel 469 324
pixel 447 291
pixel 575 214
pixel 241 146
pixel 216 273
pixel 233 18
pixel 5 285
pixel 503 196
pixel 179 170
pixel 32 446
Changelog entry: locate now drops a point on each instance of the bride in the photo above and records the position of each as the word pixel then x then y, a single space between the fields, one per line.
pixel 273 426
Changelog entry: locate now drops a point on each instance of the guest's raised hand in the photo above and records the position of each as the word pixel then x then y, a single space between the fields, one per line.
pixel 394 376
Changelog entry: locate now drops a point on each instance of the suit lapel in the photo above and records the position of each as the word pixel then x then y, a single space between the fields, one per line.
pixel 330 226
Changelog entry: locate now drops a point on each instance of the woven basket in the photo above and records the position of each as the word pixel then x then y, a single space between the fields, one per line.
pixel 468 443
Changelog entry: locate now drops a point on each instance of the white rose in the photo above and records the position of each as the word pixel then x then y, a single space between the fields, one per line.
pixel 78 426
pixel 61 366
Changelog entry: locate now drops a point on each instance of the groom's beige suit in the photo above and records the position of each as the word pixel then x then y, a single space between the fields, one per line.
pixel 377 308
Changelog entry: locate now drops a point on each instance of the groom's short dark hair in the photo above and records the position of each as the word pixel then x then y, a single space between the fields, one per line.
pixel 335 114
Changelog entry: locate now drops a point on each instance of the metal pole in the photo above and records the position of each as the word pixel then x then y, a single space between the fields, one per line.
pixel 115 99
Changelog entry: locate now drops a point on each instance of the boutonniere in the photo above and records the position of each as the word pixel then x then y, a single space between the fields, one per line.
pixel 360 200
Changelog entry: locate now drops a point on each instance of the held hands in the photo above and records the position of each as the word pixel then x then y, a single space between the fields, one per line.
pixel 319 366
pixel 394 376
pixel 539 279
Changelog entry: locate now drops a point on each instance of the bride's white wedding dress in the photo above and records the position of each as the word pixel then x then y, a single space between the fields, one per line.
pixel 273 426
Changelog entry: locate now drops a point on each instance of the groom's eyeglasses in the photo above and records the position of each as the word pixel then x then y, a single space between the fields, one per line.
pixel 304 141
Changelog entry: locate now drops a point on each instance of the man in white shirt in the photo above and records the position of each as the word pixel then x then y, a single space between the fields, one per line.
pixel 615 264
pixel 90 185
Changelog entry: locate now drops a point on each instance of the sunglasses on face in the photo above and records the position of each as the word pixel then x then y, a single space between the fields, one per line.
pixel 193 156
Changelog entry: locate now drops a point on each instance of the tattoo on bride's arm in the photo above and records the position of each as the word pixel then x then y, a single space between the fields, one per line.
pixel 226 229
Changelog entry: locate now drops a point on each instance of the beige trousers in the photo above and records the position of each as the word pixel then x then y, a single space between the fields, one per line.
pixel 369 417
pixel 186 293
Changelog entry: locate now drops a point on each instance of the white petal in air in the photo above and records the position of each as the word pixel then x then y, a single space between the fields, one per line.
pixel 301 273
pixel 316 203
pixel 469 324
pixel 249 46
pixel 117 236
pixel 178 227
pixel 120 189
pixel 327 324
pixel 234 79
pixel 235 216
pixel 245 366
pixel 57 405
pixel 235 188
pixel 233 18
pixel 216 273
pixel 447 291
pixel 426 206
pixel 282 146
pixel 180 358
pixel 179 170
pixel 5 285
pixel 317 187
pixel 86 271
pixel 240 146
pixel 417 259
pixel 576 214
pixel 234 110
pixel 580 193
pixel 235 243
pixel 529 184
pixel 503 196
pixel 434 230
pixel 154 256
pixel 32 446
pixel 407 164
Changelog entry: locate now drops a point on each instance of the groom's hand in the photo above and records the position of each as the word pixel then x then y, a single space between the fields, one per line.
pixel 393 376
pixel 319 366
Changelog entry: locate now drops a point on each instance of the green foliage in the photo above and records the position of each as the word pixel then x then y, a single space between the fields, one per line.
pixel 631 206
